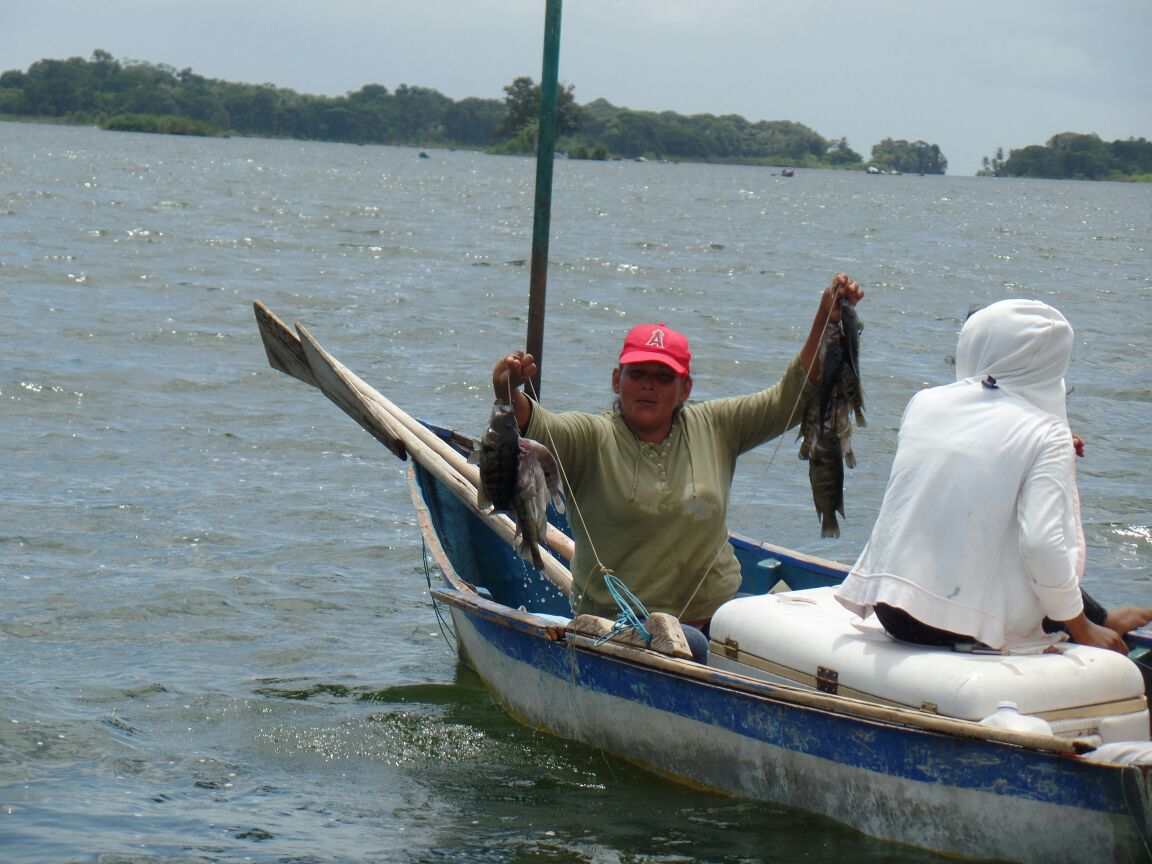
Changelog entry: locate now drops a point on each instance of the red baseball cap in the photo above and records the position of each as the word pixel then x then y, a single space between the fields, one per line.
pixel 657 342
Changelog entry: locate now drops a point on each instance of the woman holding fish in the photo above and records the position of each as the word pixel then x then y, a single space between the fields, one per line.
pixel 648 482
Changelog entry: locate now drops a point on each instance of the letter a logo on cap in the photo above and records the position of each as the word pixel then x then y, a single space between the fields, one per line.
pixel 656 340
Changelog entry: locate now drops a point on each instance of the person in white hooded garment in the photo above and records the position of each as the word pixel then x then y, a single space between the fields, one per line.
pixel 978 537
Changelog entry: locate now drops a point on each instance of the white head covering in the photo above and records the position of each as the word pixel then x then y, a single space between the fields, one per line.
pixel 1024 345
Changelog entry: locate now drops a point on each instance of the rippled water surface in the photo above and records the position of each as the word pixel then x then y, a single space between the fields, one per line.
pixel 216 642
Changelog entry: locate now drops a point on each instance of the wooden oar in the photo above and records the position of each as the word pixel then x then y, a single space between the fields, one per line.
pixel 286 354
pixel 344 388
pixel 302 357
pixel 554 537
pixel 282 346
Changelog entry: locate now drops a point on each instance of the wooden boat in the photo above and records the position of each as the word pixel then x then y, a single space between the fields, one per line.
pixel 889 764
pixel 899 773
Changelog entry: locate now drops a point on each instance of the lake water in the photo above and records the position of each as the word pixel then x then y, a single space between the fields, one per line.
pixel 216 640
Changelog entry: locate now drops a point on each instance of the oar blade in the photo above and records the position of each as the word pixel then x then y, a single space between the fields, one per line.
pixel 282 346
pixel 338 384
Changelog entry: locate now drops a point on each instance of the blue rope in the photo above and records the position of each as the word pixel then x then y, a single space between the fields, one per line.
pixel 632 612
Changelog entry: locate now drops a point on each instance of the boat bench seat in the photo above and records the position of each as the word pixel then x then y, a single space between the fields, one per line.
pixel 807 638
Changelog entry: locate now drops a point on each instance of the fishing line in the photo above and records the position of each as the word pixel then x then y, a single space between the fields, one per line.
pixel 569 493
pixel 573 507
pixel 792 413
pixel 816 358
pixel 444 625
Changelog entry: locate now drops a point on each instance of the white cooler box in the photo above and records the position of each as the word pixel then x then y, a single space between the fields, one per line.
pixel 807 638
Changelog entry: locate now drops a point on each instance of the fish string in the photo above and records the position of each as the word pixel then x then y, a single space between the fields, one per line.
pixel 574 505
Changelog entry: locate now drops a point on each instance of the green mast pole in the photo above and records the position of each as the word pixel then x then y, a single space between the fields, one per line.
pixel 545 158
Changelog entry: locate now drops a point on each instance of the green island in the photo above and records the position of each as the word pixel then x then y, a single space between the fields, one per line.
pixel 1075 156
pixel 150 97
pixel 139 96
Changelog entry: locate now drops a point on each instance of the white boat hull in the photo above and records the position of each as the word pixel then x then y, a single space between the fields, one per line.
pixel 970 797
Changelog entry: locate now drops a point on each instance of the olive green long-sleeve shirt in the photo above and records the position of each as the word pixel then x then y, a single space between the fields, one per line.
pixel 656 514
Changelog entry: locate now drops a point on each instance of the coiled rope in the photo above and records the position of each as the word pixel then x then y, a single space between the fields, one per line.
pixel 632 612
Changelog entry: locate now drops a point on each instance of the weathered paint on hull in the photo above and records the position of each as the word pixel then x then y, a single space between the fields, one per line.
pixel 959 796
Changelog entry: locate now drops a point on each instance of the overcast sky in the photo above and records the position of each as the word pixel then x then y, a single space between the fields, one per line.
pixel 968 75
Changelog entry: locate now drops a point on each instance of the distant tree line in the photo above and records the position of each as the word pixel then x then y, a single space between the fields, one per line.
pixel 916 157
pixel 102 89
pixel 1075 156
pixel 145 96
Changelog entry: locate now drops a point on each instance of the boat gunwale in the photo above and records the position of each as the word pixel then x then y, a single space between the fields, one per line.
pixel 904 718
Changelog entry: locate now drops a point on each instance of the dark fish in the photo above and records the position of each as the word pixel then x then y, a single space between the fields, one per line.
pixel 822 447
pixel 826 417
pixel 832 361
pixel 498 458
pixel 537 483
pixel 518 476
pixel 842 424
pixel 853 391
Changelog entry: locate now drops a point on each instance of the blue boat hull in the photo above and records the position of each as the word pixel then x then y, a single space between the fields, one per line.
pixel 724 732
pixel 895 779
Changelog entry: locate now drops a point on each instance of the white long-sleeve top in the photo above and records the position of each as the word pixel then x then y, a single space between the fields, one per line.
pixel 978 531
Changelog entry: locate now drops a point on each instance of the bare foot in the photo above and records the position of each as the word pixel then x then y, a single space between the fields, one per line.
pixel 1128 618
